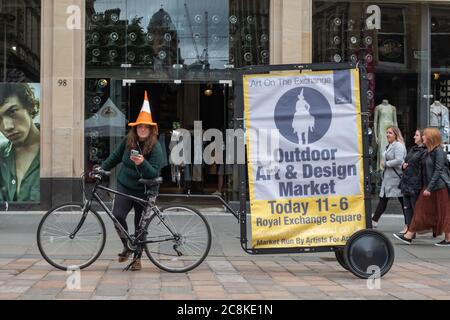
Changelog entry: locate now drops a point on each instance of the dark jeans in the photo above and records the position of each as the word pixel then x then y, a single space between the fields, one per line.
pixel 408 207
pixel 381 207
pixel 122 206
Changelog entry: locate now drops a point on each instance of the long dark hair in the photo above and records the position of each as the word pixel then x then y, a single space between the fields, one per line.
pixel 133 139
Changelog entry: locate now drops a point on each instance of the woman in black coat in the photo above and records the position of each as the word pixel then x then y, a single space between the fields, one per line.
pixel 411 182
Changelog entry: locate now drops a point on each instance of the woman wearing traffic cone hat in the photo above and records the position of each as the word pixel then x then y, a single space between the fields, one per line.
pixel 144 161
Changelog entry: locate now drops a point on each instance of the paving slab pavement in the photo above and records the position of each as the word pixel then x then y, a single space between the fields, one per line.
pixel 421 271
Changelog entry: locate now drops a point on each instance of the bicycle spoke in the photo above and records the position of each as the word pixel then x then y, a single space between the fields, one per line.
pixel 199 251
pixel 61 232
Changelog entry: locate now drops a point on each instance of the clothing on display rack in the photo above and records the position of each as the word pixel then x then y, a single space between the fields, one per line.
pixel 439 118
pixel 385 116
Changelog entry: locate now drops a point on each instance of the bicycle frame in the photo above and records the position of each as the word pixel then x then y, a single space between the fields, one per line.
pixel 96 197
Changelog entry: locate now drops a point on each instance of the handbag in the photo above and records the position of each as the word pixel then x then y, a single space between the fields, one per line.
pixel 400 183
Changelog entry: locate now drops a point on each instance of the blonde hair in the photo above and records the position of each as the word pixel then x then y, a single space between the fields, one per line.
pixel 398 134
pixel 434 138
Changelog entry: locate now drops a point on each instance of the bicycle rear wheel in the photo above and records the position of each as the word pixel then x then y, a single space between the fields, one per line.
pixel 65 252
pixel 187 247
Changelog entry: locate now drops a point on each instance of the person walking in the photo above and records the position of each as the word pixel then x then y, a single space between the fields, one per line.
pixel 412 182
pixel 143 137
pixel 391 164
pixel 433 205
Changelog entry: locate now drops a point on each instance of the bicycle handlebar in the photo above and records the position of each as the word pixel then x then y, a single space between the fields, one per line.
pixel 98 173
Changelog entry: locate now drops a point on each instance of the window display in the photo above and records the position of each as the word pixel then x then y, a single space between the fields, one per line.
pixel 20 101
pixel 19 142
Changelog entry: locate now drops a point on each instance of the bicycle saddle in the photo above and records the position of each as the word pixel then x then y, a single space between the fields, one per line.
pixel 152 182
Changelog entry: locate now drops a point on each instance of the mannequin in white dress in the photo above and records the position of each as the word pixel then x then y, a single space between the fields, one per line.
pixel 385 116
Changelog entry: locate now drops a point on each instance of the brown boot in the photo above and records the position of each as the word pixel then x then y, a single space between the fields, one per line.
pixel 124 255
pixel 137 266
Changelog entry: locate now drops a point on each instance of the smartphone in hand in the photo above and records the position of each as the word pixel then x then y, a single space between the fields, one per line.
pixel 134 153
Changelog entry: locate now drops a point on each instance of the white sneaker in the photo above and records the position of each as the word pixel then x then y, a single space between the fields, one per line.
pixel 374 224
pixel 217 193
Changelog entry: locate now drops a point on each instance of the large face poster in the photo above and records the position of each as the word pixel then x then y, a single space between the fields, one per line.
pixel 305 158
pixel 19 142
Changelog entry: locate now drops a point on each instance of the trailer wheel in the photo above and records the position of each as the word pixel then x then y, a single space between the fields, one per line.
pixel 339 253
pixel 369 253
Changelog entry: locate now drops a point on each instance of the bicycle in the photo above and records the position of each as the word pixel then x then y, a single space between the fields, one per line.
pixel 175 238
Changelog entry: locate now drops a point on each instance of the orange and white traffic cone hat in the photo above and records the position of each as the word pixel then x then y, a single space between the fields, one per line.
pixel 145 116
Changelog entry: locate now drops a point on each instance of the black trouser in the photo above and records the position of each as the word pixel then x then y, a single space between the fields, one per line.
pixel 408 207
pixel 122 206
pixel 381 207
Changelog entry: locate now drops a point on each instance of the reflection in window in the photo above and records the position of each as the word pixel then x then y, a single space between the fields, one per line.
pixel 440 38
pixel 189 35
pixel 20 40
pixel 105 118
pixel 341 35
pixel 440 54
pixel 391 38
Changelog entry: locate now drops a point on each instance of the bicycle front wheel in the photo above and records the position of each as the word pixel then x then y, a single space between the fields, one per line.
pixel 180 239
pixel 61 246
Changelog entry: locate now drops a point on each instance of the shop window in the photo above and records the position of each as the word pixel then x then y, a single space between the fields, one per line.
pixel 440 38
pixel 20 101
pixel 20 44
pixel 440 74
pixel 387 41
pixel 391 37
pixel 175 38
pixel 341 34
pixel 154 43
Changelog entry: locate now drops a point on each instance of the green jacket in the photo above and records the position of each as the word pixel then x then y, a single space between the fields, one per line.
pixel 30 189
pixel 130 174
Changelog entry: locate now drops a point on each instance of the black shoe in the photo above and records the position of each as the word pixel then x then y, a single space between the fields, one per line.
pixel 443 243
pixel 402 238
pixel 403 233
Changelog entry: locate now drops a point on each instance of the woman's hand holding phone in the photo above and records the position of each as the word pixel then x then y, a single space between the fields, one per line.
pixel 136 157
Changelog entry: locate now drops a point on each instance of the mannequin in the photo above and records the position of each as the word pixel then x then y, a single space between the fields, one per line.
pixel 385 116
pixel 175 169
pixel 439 119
